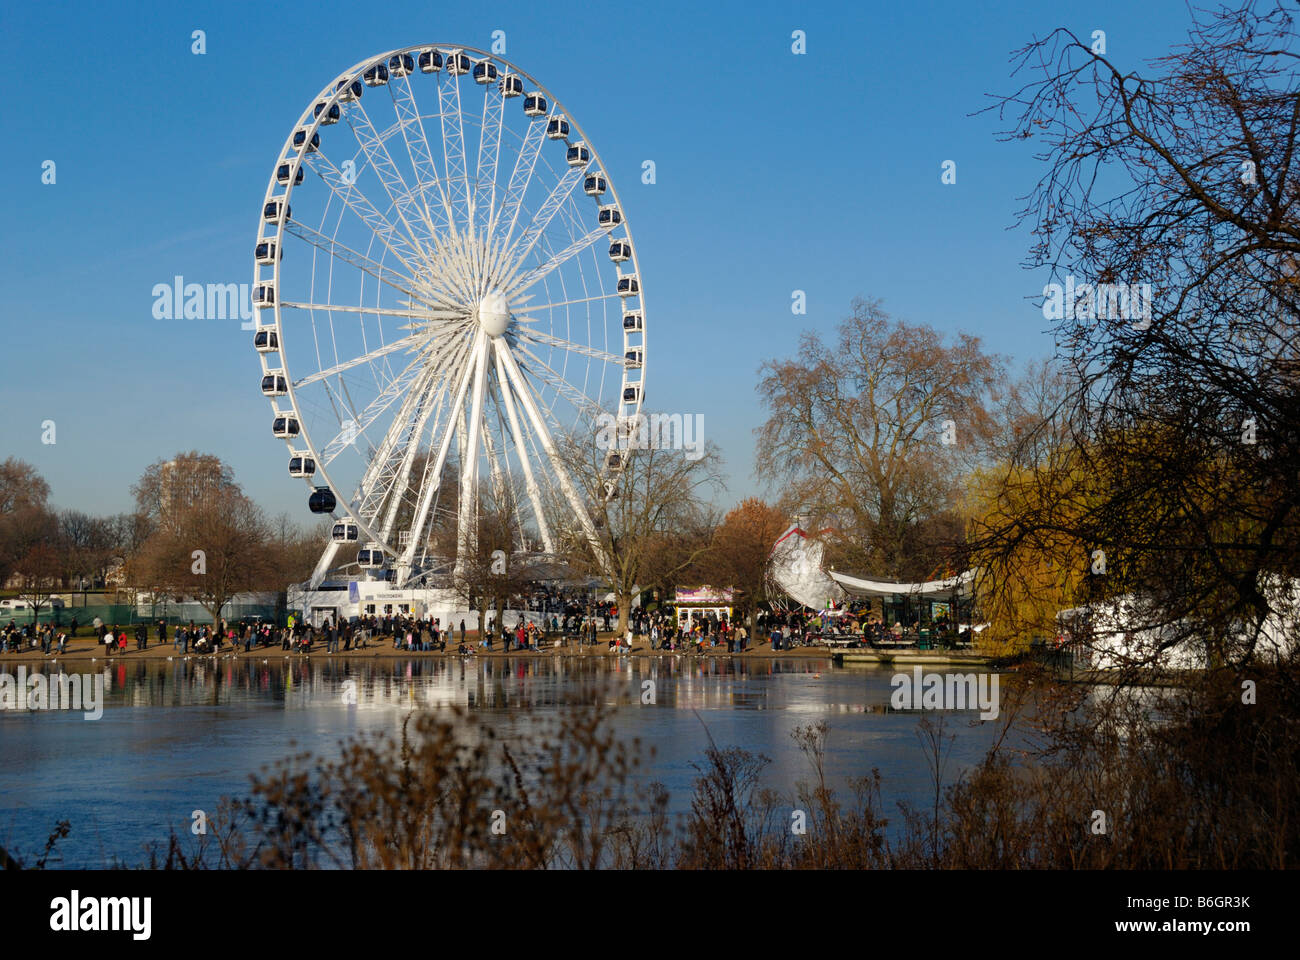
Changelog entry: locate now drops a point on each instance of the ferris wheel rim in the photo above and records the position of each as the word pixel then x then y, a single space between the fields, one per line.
pixel 310 121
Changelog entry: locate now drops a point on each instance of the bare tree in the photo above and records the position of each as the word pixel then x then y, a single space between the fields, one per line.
pixel 870 433
pixel 169 487
pixel 653 494
pixel 21 486
pixel 292 551
pixel 41 572
pixel 24 515
pixel 210 541
pixel 1166 216
pixel 492 567
pixel 741 549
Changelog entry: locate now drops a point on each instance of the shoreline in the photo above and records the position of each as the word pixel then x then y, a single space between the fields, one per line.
pixel 83 650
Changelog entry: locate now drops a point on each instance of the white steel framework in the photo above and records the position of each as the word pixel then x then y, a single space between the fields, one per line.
pixel 438 288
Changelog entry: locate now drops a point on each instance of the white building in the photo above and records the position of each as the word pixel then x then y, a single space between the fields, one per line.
pixel 1128 632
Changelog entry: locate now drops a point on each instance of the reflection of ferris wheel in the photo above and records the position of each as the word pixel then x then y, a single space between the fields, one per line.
pixel 451 286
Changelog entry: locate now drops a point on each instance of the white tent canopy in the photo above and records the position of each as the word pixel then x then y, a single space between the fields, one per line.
pixel 796 567
pixel 960 585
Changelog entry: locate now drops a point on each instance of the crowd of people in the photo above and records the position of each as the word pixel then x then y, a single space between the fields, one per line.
pixel 15 639
pixel 560 621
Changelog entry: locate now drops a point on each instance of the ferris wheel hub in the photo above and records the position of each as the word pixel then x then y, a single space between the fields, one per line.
pixel 494 314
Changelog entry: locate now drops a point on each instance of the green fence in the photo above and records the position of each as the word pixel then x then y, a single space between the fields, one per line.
pixel 126 614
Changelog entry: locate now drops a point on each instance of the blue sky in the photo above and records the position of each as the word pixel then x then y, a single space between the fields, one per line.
pixel 775 172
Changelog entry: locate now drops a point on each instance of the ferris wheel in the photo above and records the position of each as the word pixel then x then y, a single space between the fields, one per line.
pixel 445 283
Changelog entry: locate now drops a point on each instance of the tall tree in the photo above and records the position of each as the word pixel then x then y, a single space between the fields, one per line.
pixel 169 488
pixel 742 546
pixel 871 432
pixel 21 486
pixel 24 514
pixel 41 571
pixel 292 550
pixel 210 542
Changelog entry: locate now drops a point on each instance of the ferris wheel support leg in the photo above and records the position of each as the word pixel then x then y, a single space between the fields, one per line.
pixel 323 564
pixel 467 508
pixel 561 473
pixel 428 489
pixel 530 482
pixel 435 399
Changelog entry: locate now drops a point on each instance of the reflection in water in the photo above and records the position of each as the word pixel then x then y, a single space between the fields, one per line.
pixel 176 736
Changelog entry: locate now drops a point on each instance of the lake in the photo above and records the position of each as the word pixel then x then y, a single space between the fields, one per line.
pixel 176 736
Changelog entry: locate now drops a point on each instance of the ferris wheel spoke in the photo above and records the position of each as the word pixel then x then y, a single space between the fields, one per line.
pixel 561 385
pixel 398 281
pixel 518 253
pixel 369 496
pixel 453 151
pixel 377 311
pixel 417 147
pixel 414 216
pixel 522 175
pixel 535 308
pixel 516 286
pixel 346 190
pixel 439 261
pixel 533 335
pixel 521 449
pixel 433 477
pixel 489 150
pixel 453 262
pixel 558 469
pixel 357 426
pixel 406 343
pixel 431 407
pixel 398 450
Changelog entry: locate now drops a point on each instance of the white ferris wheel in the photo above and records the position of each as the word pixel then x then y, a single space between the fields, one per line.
pixel 444 283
